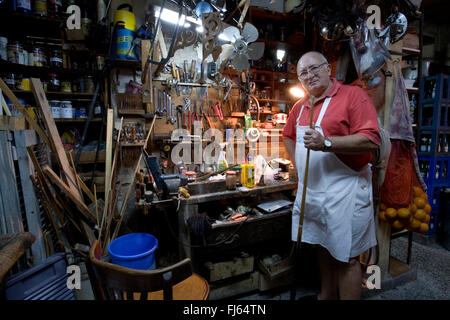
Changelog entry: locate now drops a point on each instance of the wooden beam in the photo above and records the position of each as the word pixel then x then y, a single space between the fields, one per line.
pixel 33 123
pixel 12 247
pixel 82 208
pixel 54 136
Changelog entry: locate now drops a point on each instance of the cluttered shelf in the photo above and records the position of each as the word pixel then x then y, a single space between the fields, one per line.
pixel 56 93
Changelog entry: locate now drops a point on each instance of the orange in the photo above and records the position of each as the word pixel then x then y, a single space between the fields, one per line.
pixel 415 224
pixel 382 216
pixel 403 213
pixel 383 206
pixel 391 213
pixel 398 225
pixel 412 208
pixel 420 214
pixel 417 191
pixel 427 218
pixel 427 208
pixel 423 227
pixel 419 202
pixel 425 196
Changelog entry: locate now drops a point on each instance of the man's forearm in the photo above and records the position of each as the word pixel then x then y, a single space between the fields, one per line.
pixel 290 147
pixel 352 144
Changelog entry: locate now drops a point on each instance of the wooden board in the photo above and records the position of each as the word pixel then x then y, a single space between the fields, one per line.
pixel 25 113
pixel 55 139
pixel 23 140
pixel 82 208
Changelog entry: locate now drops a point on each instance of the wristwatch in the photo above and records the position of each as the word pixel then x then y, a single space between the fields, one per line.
pixel 327 144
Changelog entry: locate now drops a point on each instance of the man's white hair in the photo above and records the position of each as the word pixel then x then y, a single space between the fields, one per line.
pixel 320 55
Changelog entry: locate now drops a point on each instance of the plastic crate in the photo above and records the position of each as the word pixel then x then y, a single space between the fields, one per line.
pixel 433 143
pixel 435 88
pixel 46 281
pixel 434 193
pixel 434 112
pixel 435 170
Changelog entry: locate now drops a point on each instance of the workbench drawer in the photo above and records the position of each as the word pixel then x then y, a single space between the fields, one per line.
pixel 255 229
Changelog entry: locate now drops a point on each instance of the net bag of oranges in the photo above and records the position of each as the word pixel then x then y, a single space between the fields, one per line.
pixel 404 204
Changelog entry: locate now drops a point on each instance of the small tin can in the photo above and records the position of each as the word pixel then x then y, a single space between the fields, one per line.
pixel 55 107
pixel 89 84
pixel 14 52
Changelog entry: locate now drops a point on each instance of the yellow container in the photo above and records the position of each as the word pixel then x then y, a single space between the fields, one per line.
pixel 250 175
pixel 243 174
pixel 127 16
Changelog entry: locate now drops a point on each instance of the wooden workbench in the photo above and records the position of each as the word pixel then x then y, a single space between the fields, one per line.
pixel 190 206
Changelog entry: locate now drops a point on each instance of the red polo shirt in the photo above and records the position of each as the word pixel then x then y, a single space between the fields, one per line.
pixel 350 111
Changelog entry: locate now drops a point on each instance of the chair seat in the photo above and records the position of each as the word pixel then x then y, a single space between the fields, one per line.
pixel 193 288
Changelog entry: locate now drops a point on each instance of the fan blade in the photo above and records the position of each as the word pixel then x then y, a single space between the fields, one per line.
pixel 227 51
pixel 240 63
pixel 255 50
pixel 250 33
pixel 231 33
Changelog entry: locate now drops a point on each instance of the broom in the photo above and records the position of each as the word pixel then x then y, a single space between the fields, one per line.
pixel 295 247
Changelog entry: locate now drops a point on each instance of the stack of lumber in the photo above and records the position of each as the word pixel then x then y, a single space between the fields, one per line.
pixel 75 213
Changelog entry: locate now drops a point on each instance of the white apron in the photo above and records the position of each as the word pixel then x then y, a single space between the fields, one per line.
pixel 338 207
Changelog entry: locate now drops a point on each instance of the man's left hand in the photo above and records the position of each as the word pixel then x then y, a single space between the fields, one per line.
pixel 314 140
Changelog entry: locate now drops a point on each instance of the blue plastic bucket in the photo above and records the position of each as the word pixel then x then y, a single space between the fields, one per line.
pixel 134 250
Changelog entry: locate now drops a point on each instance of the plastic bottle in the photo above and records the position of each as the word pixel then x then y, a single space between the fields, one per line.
pixel 250 174
pixel 221 161
pixel 101 10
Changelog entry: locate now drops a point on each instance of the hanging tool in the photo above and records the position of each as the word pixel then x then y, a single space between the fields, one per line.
pixel 297 245
pixel 194 115
pixel 159 111
pixel 219 110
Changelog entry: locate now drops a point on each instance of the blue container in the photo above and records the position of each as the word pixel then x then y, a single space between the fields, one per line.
pixel 124 42
pixel 134 250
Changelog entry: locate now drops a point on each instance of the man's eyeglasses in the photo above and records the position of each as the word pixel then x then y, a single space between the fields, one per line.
pixel 314 69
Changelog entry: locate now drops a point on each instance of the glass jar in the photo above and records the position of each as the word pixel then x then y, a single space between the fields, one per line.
pixel 55 107
pixel 89 84
pixel 39 57
pixel 230 180
pixel 40 8
pixel 3 48
pixel 10 80
pixel 66 110
pixel 238 171
pixel 14 51
pixel 53 83
pixel 56 58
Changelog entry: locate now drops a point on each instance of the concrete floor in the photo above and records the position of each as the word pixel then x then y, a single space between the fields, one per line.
pixel 430 261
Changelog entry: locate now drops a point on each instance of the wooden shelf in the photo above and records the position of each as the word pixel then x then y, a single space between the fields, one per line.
pixel 77 120
pixel 57 93
pixel 6 66
pixel 131 111
pixel 127 144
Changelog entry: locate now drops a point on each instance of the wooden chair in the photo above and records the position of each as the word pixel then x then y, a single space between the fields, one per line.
pixel 176 282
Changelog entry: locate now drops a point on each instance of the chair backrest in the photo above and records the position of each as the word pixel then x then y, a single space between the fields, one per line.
pixel 120 283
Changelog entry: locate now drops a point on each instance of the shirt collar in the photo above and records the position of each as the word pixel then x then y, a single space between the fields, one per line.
pixel 332 92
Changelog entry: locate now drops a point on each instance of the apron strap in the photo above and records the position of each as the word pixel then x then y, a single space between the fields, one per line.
pixel 321 114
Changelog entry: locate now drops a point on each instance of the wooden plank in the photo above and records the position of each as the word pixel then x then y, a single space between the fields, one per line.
pixel 10 210
pixel 147 85
pixel 12 123
pixel 56 143
pixel 33 123
pixel 24 139
pixel 82 208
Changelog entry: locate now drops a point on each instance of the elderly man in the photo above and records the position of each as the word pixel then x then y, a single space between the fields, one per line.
pixel 338 216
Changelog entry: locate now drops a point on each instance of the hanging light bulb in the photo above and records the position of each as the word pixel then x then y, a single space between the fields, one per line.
pixel 297 92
